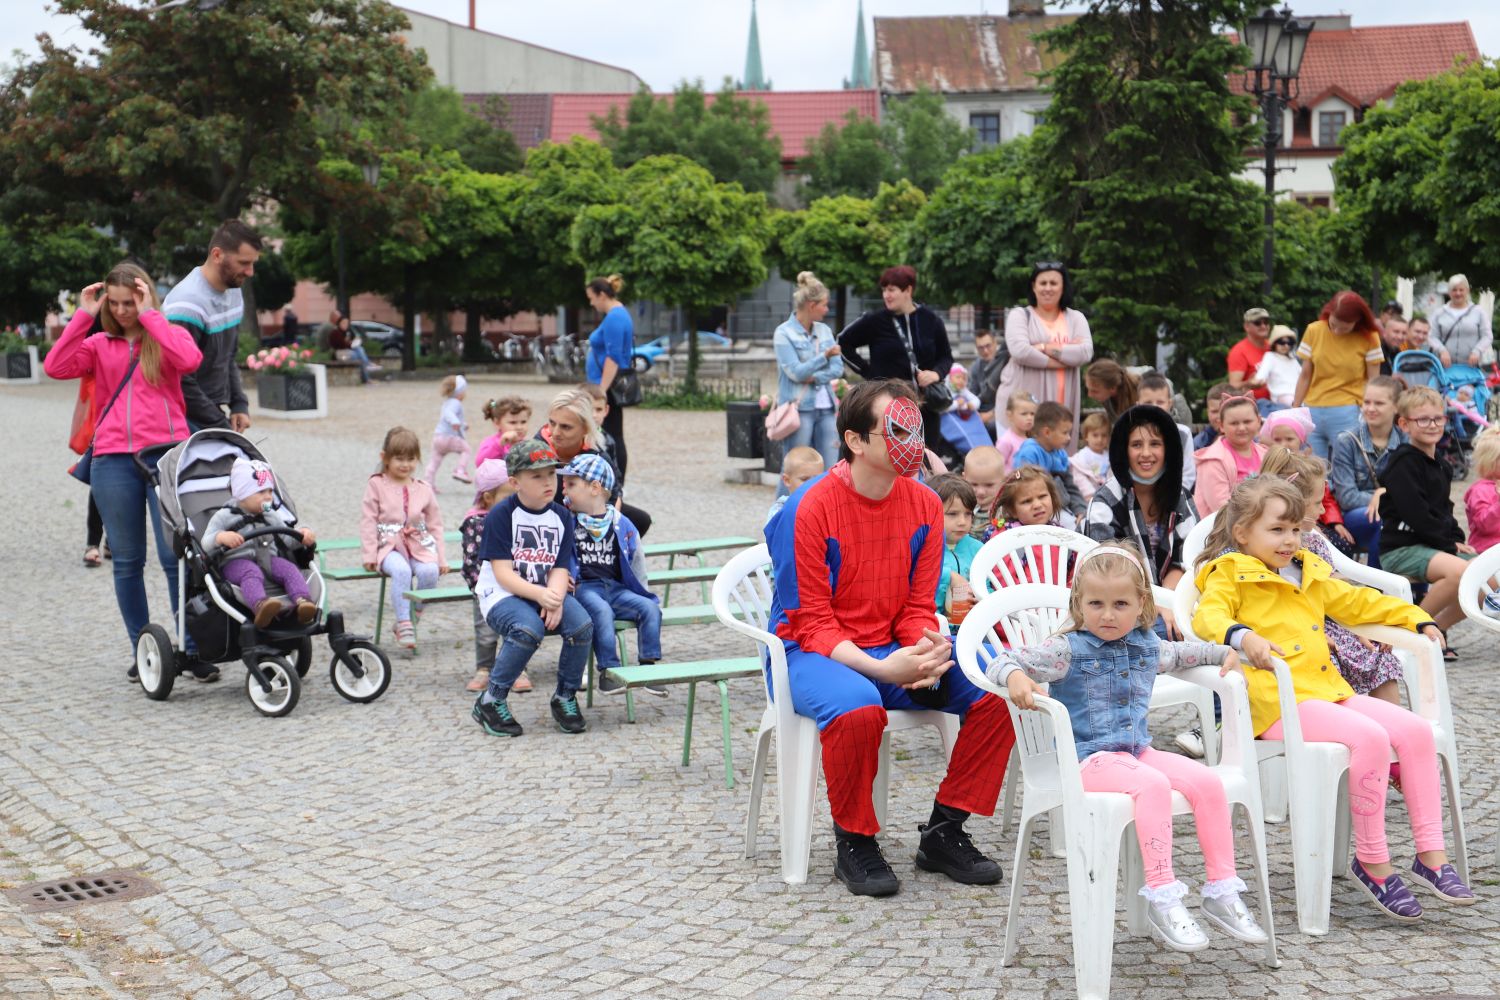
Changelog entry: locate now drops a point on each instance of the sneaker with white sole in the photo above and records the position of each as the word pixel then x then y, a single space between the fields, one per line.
pixel 609 683
pixel 1190 742
pixel 1492 606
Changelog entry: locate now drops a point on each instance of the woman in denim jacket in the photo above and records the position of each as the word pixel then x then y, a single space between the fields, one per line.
pixel 807 360
pixel 1359 457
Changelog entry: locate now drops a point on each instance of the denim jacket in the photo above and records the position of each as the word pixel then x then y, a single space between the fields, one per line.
pixel 1356 466
pixel 1105 684
pixel 799 357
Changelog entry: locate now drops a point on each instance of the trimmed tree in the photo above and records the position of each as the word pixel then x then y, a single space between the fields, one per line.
pixel 37 264
pixel 679 238
pixel 922 139
pixel 1137 167
pixel 849 159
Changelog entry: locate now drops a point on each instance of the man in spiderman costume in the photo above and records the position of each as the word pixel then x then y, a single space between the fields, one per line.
pixel 856 554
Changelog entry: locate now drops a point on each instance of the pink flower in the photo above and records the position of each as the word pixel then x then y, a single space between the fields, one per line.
pixel 765 401
pixel 306 355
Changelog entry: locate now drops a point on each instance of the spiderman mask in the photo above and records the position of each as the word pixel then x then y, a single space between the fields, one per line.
pixel 904 443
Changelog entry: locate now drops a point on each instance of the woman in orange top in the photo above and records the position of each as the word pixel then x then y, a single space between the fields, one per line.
pixel 1340 353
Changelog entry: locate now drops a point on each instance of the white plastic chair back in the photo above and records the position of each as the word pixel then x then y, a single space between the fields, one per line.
pixel 1011 558
pixel 1474 587
pixel 1193 544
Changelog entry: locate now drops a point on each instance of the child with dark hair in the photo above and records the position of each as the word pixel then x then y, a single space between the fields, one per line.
pixel 1154 389
pixel 511 416
pixel 1209 434
pixel 1047 449
pixel 959 547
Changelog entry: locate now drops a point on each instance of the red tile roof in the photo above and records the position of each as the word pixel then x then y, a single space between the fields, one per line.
pixel 956 55
pixel 528 117
pixel 1365 65
pixel 796 116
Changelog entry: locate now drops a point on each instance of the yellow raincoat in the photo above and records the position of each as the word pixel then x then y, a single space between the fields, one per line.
pixel 1241 590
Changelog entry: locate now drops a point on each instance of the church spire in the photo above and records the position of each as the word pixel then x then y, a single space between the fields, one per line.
pixel 859 78
pixel 754 75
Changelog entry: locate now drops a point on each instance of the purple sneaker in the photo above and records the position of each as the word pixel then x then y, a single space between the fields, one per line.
pixel 1394 898
pixel 1443 883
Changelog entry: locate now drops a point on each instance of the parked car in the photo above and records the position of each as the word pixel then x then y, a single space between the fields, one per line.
pixel 379 338
pixel 645 355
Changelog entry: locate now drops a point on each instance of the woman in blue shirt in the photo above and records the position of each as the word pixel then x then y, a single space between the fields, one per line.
pixel 807 360
pixel 610 348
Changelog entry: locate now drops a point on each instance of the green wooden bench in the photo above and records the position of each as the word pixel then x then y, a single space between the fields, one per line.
pixel 695 549
pixel 345 544
pixel 445 595
pixel 344 574
pixel 717 672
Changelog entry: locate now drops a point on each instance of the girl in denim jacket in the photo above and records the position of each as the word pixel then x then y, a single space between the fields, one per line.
pixel 1102 668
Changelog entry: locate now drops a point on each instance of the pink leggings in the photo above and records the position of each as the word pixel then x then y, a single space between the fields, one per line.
pixel 444 444
pixel 1149 780
pixel 1370 727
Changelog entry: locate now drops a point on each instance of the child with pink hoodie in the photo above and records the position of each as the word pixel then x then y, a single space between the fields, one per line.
pixel 1482 500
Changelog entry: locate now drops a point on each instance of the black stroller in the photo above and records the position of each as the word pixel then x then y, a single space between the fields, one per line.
pixel 192 483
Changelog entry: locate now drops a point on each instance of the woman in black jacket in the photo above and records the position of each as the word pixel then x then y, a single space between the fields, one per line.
pixel 903 341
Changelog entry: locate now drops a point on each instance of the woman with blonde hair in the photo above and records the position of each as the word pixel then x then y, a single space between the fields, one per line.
pixel 1461 332
pixel 611 349
pixel 807 360
pixel 571 432
pixel 137 362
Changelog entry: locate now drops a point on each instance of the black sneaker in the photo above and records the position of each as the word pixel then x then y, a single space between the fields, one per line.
pixel 946 848
pixel 862 867
pixel 609 683
pixel 569 718
pixel 132 675
pixel 204 671
pixel 495 718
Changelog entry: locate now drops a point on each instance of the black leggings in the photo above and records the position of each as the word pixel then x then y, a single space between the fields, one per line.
pixel 614 423
pixel 95 531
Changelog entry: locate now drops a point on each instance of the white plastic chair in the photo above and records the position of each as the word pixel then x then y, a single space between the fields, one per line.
pixel 1473 588
pixel 1098 825
pixel 998 565
pixel 742 595
pixel 1316 774
pixel 1272 773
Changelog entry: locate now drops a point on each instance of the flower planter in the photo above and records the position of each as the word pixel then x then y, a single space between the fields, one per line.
pixel 299 394
pixel 22 367
pixel 746 428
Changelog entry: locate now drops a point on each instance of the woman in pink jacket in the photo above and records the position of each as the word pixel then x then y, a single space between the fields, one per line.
pixel 1224 464
pixel 147 416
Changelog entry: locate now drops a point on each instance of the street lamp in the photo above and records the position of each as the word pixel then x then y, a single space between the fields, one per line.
pixel 371 171
pixel 1277 42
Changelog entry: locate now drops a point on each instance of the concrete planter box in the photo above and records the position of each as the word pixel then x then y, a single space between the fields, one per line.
pixel 301 394
pixel 21 367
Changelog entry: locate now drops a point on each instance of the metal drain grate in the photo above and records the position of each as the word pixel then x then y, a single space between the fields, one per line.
pixel 66 893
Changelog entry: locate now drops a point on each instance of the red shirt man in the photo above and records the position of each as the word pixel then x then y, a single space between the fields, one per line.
pixel 1245 356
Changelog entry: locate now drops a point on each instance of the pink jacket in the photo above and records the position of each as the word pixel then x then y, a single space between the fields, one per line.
pixel 1482 501
pixel 491 447
pixel 1217 476
pixel 145 415
pixel 400 518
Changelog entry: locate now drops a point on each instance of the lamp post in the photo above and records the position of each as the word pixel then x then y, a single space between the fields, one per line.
pixel 1277 42
pixel 371 171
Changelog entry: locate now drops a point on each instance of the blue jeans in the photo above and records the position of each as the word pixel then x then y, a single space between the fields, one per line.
pixel 606 600
pixel 819 430
pixel 824 689
pixel 1366 533
pixel 125 500
pixel 1328 423
pixel 1266 407
pixel 518 622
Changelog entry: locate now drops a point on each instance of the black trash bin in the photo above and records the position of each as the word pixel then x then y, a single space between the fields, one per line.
pixel 747 429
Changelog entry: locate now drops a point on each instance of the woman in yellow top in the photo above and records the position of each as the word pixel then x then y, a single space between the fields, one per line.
pixel 1340 353
pixel 1267 596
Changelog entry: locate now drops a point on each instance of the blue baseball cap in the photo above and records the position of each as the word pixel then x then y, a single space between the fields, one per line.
pixel 591 467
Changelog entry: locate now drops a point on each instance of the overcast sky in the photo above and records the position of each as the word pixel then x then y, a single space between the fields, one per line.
pixel 805 44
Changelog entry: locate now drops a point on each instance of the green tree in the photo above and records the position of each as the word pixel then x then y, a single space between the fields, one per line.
pixel 730 136
pixel 679 238
pixel 922 139
pixel 564 180
pixel 1418 179
pixel 37 264
pixel 183 118
pixel 1314 259
pixel 846 159
pixel 978 235
pixel 438 117
pixel 1137 165
pixel 275 284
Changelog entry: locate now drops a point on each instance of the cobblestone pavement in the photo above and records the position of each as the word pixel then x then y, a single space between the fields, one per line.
pixel 393 850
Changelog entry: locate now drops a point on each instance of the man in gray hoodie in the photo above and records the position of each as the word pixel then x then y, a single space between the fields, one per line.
pixel 209 304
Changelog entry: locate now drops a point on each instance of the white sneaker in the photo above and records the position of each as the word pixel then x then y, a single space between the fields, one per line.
pixel 1234 918
pixel 1176 928
pixel 1492 606
pixel 1190 742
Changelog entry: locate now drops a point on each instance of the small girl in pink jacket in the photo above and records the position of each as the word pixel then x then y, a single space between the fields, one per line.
pixel 1482 500
pixel 401 528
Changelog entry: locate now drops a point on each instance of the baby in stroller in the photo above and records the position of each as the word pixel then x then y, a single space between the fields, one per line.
pixel 252 487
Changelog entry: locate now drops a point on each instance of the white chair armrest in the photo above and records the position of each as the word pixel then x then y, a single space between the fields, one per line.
pixel 1430 697
pixel 1286 691
pixel 1237 737
pixel 1387 583
pixel 1062 734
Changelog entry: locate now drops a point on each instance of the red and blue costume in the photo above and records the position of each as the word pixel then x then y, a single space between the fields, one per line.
pixel 850 568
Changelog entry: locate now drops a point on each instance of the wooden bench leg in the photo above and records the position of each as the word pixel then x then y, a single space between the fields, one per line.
pixel 629 706
pixel 703 584
pixel 380 611
pixel 666 597
pixel 728 744
pixel 687 729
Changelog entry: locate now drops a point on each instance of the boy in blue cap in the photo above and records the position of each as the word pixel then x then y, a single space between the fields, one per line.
pixel 611 568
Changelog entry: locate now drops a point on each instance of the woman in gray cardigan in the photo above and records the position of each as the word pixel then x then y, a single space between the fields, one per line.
pixel 1049 342
pixel 1461 330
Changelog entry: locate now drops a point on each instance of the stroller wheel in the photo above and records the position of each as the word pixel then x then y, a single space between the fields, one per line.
pixel 373 664
pixel 286 687
pixel 155 662
pixel 302 656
